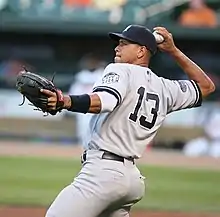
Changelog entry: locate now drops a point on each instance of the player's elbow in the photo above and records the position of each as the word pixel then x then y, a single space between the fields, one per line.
pixel 108 101
pixel 208 88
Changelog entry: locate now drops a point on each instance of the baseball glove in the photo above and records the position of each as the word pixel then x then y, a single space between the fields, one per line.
pixel 29 85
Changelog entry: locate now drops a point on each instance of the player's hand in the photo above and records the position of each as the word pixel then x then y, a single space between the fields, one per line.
pixel 52 98
pixel 168 44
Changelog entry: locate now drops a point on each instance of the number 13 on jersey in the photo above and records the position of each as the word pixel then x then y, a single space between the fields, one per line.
pixel 154 111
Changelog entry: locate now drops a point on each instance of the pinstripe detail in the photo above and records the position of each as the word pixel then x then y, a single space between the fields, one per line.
pixel 109 90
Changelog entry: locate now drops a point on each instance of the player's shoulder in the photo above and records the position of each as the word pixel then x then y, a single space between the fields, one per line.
pixel 124 68
pixel 117 66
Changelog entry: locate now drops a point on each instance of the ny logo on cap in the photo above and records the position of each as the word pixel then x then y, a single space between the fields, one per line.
pixel 127 28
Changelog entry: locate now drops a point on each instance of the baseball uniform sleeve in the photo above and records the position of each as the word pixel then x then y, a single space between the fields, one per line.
pixel 114 81
pixel 181 94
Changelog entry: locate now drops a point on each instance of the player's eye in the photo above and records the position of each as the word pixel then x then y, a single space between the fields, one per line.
pixel 122 41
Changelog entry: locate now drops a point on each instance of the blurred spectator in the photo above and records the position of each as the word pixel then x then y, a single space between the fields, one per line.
pixel 198 15
pixel 25 4
pixel 78 3
pixel 92 68
pixel 108 5
pixel 209 143
pixel 3 4
pixel 9 70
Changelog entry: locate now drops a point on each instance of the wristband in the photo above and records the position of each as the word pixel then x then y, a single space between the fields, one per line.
pixel 80 103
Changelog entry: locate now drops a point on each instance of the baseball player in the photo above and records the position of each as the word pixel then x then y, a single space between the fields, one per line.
pixel 129 103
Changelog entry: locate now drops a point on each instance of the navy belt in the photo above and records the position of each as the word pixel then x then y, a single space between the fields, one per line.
pixel 110 156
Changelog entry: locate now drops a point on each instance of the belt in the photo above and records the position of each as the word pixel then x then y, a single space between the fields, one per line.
pixel 110 156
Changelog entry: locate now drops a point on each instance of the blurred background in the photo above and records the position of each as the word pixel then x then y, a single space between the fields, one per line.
pixel 69 38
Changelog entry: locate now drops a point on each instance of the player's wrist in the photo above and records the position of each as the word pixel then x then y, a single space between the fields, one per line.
pixel 67 102
pixel 77 103
pixel 174 52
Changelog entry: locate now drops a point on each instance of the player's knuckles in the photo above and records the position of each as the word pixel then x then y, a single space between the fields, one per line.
pixel 52 100
pixel 51 104
pixel 47 92
pixel 159 28
pixel 163 33
pixel 44 91
pixel 162 30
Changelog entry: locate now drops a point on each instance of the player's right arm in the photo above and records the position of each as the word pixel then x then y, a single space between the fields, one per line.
pixel 180 94
pixel 193 71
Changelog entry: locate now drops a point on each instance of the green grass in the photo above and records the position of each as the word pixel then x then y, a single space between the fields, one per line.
pixel 36 181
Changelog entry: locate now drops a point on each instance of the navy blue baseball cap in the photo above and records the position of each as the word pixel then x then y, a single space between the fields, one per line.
pixel 137 34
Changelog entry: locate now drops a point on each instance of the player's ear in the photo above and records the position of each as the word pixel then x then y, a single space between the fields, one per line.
pixel 141 52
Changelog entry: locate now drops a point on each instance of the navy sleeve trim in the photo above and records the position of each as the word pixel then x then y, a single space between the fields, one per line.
pixel 111 91
pixel 198 101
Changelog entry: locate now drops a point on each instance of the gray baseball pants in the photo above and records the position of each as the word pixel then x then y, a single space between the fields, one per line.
pixel 103 188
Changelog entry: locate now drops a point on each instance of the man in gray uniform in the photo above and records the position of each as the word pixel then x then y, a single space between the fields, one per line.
pixel 129 103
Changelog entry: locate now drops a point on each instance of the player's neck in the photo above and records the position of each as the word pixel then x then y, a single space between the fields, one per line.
pixel 142 63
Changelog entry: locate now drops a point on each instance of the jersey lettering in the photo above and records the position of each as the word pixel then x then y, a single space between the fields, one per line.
pixel 142 119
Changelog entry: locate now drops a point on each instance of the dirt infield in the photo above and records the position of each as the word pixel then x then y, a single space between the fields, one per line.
pixel 40 212
pixel 150 158
pixel 160 158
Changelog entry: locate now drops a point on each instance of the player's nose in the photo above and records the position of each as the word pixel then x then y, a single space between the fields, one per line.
pixel 117 49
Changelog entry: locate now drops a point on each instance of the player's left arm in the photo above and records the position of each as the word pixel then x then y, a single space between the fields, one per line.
pixel 108 93
pixel 90 103
pixel 86 103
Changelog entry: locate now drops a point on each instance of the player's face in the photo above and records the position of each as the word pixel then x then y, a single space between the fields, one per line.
pixel 126 52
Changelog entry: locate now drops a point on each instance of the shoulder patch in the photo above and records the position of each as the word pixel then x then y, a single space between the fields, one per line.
pixel 183 85
pixel 110 77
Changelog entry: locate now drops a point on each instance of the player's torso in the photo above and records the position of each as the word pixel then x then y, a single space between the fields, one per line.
pixel 132 125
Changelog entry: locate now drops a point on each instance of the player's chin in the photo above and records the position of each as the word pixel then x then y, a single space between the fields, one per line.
pixel 118 59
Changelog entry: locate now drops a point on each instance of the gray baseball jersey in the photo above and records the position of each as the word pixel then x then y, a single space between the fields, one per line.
pixel 111 188
pixel 144 100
